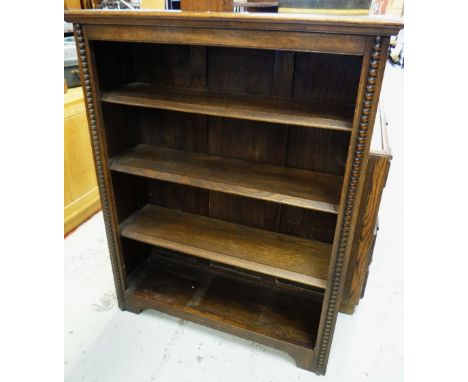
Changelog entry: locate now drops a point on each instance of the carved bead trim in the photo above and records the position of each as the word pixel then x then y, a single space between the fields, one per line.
pixel 99 166
pixel 367 105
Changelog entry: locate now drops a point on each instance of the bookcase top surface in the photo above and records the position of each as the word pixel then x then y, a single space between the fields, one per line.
pixel 366 25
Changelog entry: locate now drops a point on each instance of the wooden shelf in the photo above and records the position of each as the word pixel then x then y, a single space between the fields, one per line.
pixel 257 108
pixel 300 188
pixel 238 306
pixel 283 256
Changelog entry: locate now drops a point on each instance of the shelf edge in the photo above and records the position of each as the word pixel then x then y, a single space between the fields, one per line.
pixel 107 97
pixel 217 186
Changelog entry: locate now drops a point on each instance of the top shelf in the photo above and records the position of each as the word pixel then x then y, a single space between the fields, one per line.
pixel 249 107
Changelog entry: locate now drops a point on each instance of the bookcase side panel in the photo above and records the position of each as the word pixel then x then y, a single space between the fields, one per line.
pixel 90 88
pixel 366 107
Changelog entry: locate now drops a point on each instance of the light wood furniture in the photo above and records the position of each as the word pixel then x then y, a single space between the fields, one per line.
pixel 153 4
pixel 80 189
pixel 231 152
pixel 72 4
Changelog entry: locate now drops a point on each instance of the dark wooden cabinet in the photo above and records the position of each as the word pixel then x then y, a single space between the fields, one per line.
pixel 365 234
pixel 231 153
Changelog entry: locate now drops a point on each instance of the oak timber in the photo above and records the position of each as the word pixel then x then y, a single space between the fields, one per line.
pixel 295 187
pixel 251 107
pixel 287 257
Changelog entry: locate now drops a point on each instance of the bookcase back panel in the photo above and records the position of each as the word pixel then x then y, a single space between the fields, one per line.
pixel 120 124
pixel 240 70
pixel 251 212
pixel 181 131
pixel 317 149
pixel 184 198
pixel 114 62
pixel 134 253
pixel 326 77
pixel 169 65
pixel 247 140
pixel 129 194
pixel 308 224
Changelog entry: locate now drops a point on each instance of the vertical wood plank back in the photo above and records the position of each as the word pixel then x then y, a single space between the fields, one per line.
pixel 283 74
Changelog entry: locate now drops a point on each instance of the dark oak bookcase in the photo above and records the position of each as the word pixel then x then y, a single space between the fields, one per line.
pixel 230 152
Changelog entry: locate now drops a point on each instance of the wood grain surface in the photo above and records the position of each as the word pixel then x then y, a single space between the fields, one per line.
pixel 251 107
pixel 206 292
pixel 360 25
pixel 279 255
pixel 300 188
pixel 267 313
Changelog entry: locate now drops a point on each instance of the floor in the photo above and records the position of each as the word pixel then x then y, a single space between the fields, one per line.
pixel 104 344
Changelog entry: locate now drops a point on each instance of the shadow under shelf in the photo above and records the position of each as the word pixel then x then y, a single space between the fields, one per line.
pixel 284 318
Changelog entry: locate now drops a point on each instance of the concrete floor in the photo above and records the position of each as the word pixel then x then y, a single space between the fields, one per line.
pixel 104 344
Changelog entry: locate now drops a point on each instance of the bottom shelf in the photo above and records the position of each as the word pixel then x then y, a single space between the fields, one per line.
pixel 277 316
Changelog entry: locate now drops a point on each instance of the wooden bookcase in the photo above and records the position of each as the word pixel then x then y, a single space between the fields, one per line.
pixel 230 151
